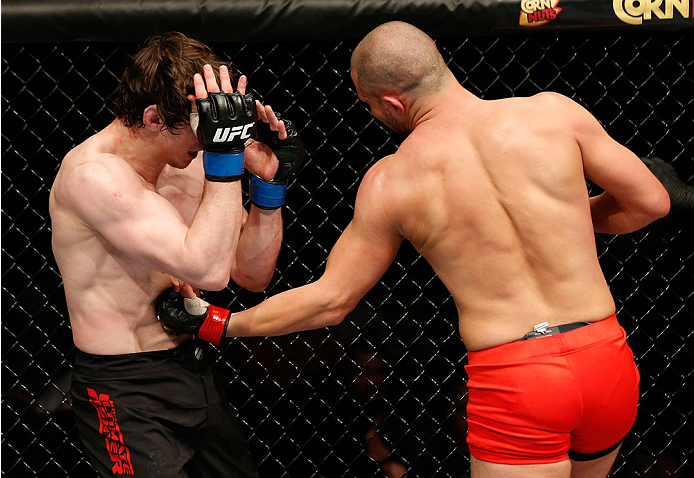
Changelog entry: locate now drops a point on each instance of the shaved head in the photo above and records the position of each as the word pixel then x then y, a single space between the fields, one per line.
pixel 398 57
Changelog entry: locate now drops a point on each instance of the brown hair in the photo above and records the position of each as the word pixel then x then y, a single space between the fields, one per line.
pixel 161 73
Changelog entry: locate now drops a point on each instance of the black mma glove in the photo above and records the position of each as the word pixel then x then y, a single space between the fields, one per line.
pixel 289 152
pixel 192 316
pixel 681 195
pixel 225 122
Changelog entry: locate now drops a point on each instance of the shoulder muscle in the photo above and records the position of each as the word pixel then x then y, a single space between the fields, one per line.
pixel 101 185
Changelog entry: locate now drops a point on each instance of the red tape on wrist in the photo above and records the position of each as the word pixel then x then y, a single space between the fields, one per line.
pixel 214 327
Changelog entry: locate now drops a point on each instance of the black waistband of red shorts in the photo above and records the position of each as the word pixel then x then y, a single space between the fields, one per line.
pixel 583 336
pixel 553 330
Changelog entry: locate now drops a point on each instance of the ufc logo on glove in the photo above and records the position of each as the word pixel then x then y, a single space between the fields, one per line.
pixel 222 135
pixel 225 122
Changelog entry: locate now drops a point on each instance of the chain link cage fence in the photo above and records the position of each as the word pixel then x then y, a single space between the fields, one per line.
pixel 383 392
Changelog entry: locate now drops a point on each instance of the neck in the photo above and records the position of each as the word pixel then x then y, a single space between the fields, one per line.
pixel 423 109
pixel 137 147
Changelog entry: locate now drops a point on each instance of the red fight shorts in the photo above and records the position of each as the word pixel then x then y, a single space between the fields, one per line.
pixel 571 395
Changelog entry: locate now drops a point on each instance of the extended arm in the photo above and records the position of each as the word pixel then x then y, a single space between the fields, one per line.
pixel 360 257
pixel 353 267
pixel 633 197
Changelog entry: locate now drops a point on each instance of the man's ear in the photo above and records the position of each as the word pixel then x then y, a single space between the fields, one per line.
pixel 151 118
pixel 394 103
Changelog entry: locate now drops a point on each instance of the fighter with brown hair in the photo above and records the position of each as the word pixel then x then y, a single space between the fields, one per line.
pixel 493 195
pixel 136 204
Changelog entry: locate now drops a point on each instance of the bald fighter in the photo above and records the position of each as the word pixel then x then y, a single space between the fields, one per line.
pixel 493 194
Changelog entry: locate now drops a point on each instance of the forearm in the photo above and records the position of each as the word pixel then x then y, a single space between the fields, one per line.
pixel 212 237
pixel 356 263
pixel 258 248
pixel 304 308
pixel 307 307
pixel 610 217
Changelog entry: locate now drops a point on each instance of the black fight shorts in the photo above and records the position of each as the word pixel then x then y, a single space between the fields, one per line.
pixel 157 414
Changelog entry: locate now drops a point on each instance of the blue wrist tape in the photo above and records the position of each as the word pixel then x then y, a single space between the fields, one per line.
pixel 222 166
pixel 267 195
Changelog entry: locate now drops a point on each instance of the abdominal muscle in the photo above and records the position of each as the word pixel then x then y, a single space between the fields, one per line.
pixel 119 317
pixel 99 336
pixel 114 334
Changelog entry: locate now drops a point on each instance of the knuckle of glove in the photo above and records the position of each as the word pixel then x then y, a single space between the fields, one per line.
pixel 224 104
pixel 171 311
pixel 243 105
pixel 226 120
pixel 205 115
pixel 289 151
pixel 291 156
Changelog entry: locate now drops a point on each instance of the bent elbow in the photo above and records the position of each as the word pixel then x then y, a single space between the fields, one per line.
pixel 213 280
pixel 257 287
pixel 661 206
pixel 254 283
pixel 656 207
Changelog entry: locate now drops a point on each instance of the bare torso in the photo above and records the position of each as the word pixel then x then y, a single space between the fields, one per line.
pixel 500 210
pixel 110 296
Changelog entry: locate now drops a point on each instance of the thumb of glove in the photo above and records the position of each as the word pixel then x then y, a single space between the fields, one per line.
pixel 195 306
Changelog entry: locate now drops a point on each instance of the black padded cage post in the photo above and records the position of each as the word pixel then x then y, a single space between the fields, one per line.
pixel 386 387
